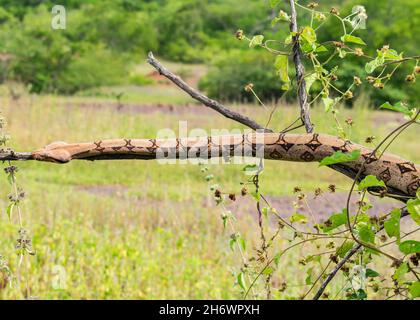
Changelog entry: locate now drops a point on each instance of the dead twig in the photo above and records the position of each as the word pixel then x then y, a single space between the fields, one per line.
pixel 10 155
pixel 215 105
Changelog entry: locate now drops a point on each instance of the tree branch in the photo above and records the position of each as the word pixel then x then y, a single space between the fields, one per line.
pixel 10 155
pixel 217 106
pixel 300 72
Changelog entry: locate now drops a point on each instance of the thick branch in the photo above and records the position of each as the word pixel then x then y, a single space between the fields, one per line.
pixel 217 106
pixel 10 155
pixel 300 72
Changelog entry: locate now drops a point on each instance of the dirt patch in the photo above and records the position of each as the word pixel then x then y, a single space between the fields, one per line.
pixel 132 108
pixel 104 190
pixel 158 78
pixel 320 207
pixel 385 117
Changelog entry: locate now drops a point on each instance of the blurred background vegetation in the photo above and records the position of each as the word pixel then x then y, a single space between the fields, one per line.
pixel 130 229
pixel 105 39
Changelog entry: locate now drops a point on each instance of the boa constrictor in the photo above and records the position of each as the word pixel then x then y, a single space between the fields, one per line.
pixel 397 173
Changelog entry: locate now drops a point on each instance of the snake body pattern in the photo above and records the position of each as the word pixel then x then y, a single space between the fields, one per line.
pixel 396 172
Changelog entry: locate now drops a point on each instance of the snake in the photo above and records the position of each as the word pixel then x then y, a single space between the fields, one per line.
pixel 398 174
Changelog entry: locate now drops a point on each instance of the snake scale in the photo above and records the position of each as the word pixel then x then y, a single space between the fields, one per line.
pixel 397 173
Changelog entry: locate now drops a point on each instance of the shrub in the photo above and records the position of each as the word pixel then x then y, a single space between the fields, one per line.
pixel 96 67
pixel 140 80
pixel 229 75
pixel 51 61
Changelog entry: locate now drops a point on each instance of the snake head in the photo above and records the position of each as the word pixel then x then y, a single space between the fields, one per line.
pixel 55 152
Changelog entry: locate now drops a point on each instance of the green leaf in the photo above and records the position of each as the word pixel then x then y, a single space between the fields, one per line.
pixel 282 67
pixel 334 221
pixel 256 195
pixel 321 49
pixel 413 208
pixel 410 246
pixel 313 258
pixel 276 258
pixel 264 211
pixel 9 210
pixel 298 217
pixel 415 289
pixel 370 181
pixel 307 48
pixel 225 221
pixel 285 87
pixel 310 80
pixel 399 107
pixel 371 273
pixel 344 248
pixel 268 271
pixel 340 157
pixel 358 295
pixel 275 21
pixel 372 65
pixel 288 39
pixel 392 225
pixel 352 39
pixel 242 242
pixel 400 272
pixel 393 55
pixel 365 232
pixel 10 178
pixel 361 294
pixel 273 3
pixel 308 279
pixel 328 103
pixel 241 281
pixel 256 41
pixel 232 242
pixel 309 35
pixel 362 217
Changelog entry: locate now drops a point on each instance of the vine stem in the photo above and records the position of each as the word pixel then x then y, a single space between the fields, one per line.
pixel 262 236
pixel 21 257
pixel 300 72
pixel 278 256
pixel 341 263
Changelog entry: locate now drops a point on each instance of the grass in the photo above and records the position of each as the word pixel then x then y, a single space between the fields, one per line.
pixel 148 94
pixel 140 230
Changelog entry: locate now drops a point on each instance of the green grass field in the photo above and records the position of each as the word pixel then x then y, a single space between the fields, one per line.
pixel 140 230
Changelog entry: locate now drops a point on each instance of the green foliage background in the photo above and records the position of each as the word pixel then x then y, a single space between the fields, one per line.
pixel 104 39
